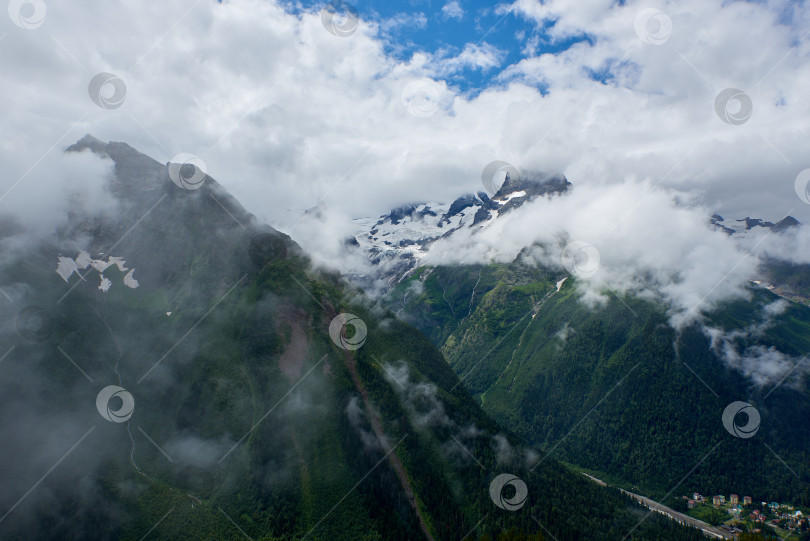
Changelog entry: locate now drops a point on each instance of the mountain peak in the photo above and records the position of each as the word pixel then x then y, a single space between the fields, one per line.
pixel 534 184
pixel 786 223
pixel 137 176
pixel 89 141
pixel 112 149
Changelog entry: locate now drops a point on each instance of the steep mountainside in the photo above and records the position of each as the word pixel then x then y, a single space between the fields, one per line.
pixel 222 390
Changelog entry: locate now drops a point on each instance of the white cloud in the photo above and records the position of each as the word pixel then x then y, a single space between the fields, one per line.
pixel 453 10
pixel 288 116
pixel 404 20
pixel 764 365
pixel 474 56
pixel 40 198
pixel 193 450
pixel 564 332
pixel 421 399
pixel 569 18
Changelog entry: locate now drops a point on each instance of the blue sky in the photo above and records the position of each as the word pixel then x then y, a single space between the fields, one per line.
pixel 443 28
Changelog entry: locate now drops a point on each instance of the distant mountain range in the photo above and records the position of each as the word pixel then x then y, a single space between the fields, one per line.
pixel 743 226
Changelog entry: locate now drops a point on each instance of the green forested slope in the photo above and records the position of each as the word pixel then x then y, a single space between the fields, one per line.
pixel 614 388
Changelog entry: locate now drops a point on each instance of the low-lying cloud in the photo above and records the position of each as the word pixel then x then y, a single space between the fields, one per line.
pixel 652 242
pixel 762 364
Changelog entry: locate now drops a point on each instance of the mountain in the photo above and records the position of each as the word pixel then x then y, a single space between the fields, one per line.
pixel 615 389
pixel 396 242
pixel 739 228
pixel 543 363
pixel 174 369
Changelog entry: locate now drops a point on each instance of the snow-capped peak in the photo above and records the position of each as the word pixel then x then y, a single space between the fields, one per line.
pixel 395 242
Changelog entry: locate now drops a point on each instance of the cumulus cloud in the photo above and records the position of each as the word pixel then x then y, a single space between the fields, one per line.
pixel 474 56
pixel 453 10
